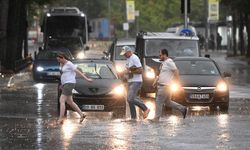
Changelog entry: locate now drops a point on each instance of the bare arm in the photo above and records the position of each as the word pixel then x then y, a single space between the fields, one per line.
pixel 136 70
pixel 176 75
pixel 83 75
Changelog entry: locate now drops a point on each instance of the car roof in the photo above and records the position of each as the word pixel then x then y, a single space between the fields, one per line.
pixel 126 41
pixel 165 35
pixel 192 58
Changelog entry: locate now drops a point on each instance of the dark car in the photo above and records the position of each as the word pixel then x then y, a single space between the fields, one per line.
pixel 106 93
pixel 46 66
pixel 201 83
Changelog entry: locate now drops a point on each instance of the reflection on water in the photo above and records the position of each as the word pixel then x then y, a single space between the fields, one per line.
pixel 39 126
pixel 120 133
pixel 68 130
pixel 223 134
pixel 222 120
pixel 39 87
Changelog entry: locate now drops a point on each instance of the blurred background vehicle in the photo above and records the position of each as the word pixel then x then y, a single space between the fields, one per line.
pixel 46 66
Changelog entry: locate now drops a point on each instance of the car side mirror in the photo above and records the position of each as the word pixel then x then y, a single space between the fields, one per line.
pixel 226 74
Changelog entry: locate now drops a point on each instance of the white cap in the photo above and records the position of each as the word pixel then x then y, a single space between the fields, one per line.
pixel 125 49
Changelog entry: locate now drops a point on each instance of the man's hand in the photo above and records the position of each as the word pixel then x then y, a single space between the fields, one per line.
pixel 155 82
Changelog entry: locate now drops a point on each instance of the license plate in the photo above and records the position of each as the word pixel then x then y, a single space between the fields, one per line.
pixel 53 73
pixel 93 107
pixel 199 96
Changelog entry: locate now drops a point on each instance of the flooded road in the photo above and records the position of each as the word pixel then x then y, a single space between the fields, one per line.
pixel 28 114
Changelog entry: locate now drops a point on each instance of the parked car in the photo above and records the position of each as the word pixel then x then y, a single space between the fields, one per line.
pixel 148 45
pixel 113 53
pixel 201 83
pixel 106 93
pixel 46 66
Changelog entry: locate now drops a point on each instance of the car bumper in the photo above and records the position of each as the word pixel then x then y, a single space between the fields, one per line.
pixel 99 103
pixel 207 98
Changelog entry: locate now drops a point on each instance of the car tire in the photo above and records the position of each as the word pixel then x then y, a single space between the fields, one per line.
pixel 224 107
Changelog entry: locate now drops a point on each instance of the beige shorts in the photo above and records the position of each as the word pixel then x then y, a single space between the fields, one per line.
pixel 67 89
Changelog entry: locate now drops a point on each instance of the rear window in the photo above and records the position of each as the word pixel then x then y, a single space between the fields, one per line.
pixel 197 68
pixel 175 47
pixel 50 54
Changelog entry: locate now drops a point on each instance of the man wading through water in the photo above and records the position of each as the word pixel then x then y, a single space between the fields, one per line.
pixel 168 73
pixel 134 71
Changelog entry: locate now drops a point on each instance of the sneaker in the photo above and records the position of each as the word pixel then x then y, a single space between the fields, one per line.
pixel 145 114
pixel 82 118
pixel 185 112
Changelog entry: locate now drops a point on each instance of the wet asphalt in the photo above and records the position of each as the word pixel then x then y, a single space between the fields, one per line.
pixel 28 114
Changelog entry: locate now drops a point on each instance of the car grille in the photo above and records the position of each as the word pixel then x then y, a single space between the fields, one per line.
pixel 199 94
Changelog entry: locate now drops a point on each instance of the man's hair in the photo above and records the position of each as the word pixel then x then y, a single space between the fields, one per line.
pixel 164 52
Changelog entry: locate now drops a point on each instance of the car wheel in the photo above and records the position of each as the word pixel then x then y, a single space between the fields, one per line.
pixel 224 107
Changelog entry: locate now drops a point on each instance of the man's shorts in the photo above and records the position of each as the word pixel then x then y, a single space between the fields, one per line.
pixel 67 89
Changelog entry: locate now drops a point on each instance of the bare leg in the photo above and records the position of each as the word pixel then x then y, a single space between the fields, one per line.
pixel 63 99
pixel 75 107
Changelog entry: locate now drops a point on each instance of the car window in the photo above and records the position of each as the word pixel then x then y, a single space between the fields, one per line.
pixel 175 47
pixel 118 50
pixel 50 54
pixel 197 68
pixel 97 70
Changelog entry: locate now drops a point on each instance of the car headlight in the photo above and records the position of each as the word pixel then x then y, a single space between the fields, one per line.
pixel 150 73
pixel 80 55
pixel 119 68
pixel 175 87
pixel 39 68
pixel 118 90
pixel 221 87
pixel 74 91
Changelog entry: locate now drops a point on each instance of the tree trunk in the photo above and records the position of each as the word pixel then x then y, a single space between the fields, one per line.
pixel 234 33
pixel 3 29
pixel 241 34
pixel 15 32
pixel 248 34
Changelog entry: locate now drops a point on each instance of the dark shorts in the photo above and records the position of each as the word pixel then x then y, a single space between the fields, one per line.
pixel 67 89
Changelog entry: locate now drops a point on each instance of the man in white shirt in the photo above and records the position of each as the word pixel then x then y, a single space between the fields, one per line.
pixel 134 71
pixel 168 72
